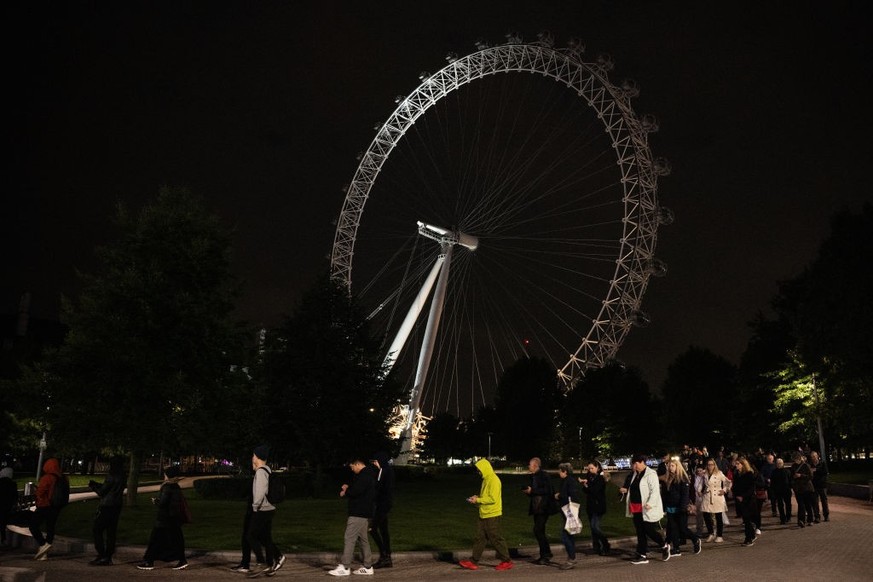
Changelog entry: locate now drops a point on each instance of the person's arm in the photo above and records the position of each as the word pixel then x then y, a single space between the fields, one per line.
pixel 259 488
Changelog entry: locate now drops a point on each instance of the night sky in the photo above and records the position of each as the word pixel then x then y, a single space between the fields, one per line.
pixel 262 107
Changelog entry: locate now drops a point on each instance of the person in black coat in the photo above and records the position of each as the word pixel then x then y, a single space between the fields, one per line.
pixel 594 486
pixel 384 471
pixel 676 496
pixel 111 494
pixel 780 485
pixel 820 483
pixel 166 542
pixel 542 504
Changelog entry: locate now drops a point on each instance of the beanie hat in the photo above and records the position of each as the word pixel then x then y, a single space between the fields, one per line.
pixel 262 452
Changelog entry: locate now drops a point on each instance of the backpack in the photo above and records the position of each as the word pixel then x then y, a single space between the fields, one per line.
pixel 61 492
pixel 275 488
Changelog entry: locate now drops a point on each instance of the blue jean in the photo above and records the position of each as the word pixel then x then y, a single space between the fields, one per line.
pixel 567 539
pixel 598 538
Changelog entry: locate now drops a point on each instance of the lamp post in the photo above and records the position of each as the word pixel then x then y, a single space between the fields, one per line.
pixel 489 445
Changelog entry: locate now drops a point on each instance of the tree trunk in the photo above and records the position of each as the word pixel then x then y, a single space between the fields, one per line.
pixel 133 478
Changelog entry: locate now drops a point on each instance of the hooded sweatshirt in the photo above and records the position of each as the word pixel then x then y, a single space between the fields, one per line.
pixel 51 472
pixel 490 500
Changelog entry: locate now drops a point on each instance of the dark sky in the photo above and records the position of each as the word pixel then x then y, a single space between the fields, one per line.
pixel 262 107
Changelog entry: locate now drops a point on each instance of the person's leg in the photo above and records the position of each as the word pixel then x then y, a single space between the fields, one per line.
pixel 50 522
pixel 363 525
pixel 539 530
pixel 642 549
pixel 597 531
pixel 568 540
pixel 825 509
pixel 255 533
pixel 245 545
pixel 494 535
pixel 653 532
pixel 686 531
pixel 707 519
pixel 271 555
pixel 36 521
pixel 673 531
pixel 479 540
pixel 112 517
pixel 177 544
pixel 98 530
pixel 349 538
pixel 816 510
pixel 719 524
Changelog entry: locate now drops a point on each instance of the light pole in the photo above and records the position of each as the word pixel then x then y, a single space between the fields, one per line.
pixel 489 445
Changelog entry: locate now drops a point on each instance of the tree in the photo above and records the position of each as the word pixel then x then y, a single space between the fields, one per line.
pixel 697 396
pixel 445 434
pixel 526 407
pixel 151 341
pixel 324 381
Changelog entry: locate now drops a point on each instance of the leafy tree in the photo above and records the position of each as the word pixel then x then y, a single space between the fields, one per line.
pixel 697 396
pixel 609 412
pixel 151 340
pixel 527 401
pixel 445 435
pixel 326 392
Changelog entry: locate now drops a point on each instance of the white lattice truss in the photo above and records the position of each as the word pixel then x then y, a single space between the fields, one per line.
pixel 635 261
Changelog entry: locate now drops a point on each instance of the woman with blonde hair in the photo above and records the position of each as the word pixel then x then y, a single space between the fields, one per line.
pixel 676 494
pixel 744 494
pixel 714 504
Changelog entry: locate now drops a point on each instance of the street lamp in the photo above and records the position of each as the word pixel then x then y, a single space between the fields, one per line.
pixel 489 445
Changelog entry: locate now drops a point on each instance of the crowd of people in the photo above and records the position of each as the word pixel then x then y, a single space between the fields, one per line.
pixel 679 488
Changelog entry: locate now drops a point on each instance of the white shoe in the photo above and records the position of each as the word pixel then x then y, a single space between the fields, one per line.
pixel 363 571
pixel 757 532
pixel 719 540
pixel 710 538
pixel 42 551
pixel 340 570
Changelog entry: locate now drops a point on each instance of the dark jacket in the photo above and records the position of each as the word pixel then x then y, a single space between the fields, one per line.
pixel 384 484
pixel 780 481
pixel 820 476
pixel 362 494
pixel 803 483
pixel 111 491
pixel 596 493
pixel 169 504
pixel 677 495
pixel 568 491
pixel 8 494
pixel 542 495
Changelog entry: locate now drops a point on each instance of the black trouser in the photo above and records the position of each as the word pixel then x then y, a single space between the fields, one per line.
pixel 379 531
pixel 771 495
pixel 821 495
pixel 261 535
pixel 106 521
pixel 783 504
pixel 49 515
pixel 805 503
pixel 166 543
pixel 748 509
pixel 646 529
pixel 539 531
pixel 677 526
pixel 246 546
pixel 719 523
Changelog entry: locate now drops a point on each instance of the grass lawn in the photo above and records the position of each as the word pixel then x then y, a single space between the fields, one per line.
pixel 428 515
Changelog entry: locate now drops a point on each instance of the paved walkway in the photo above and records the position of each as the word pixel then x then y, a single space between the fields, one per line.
pixel 836 550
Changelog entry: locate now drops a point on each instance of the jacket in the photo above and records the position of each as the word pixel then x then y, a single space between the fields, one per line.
pixel 111 491
pixel 595 491
pixel 820 476
pixel 362 494
pixel 712 501
pixel 542 495
pixel 677 495
pixel 169 503
pixel 384 484
pixel 260 487
pixel 51 472
pixel 780 481
pixel 650 490
pixel 490 499
pixel 801 484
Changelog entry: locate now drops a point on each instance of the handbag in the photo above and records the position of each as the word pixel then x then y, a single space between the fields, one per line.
pixel 571 513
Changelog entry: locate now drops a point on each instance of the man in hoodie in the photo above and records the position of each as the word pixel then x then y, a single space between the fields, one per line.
pixel 384 502
pixel 111 494
pixel 46 512
pixel 490 503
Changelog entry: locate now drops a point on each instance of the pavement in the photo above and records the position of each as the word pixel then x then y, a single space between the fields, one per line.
pixel 838 550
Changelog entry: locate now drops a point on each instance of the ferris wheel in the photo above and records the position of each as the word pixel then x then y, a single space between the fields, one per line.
pixel 513 196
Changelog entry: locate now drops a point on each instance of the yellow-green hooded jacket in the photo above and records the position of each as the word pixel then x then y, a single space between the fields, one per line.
pixel 490 499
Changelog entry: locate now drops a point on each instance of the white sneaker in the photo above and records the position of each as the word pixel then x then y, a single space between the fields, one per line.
pixel 42 551
pixel 340 570
pixel 710 538
pixel 719 540
pixel 363 571
pixel 757 532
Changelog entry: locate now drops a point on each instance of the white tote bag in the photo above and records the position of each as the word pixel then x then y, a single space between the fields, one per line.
pixel 571 512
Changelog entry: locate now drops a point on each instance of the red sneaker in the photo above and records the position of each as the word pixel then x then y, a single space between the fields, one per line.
pixel 468 564
pixel 503 566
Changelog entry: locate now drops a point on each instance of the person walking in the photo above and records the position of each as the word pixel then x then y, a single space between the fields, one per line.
pixel 594 486
pixel 8 500
pixel 820 484
pixel 490 504
pixel 111 494
pixel 804 490
pixel 780 483
pixel 361 494
pixel 744 494
pixel 768 467
pixel 384 502
pixel 245 563
pixel 263 513
pixel 167 542
pixel 699 485
pixel 643 504
pixel 714 504
pixel 47 506
pixel 566 493
pixel 677 497
pixel 541 505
